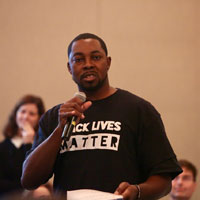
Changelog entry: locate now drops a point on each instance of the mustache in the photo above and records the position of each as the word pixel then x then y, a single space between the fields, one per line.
pixel 88 73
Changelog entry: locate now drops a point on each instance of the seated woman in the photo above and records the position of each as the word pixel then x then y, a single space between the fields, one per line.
pixel 19 134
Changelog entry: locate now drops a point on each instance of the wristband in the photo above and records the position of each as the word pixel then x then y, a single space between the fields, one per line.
pixel 139 191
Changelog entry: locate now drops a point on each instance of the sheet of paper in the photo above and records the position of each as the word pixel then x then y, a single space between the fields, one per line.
pixel 88 194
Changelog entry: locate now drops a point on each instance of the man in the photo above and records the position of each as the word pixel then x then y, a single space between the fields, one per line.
pixel 119 144
pixel 184 185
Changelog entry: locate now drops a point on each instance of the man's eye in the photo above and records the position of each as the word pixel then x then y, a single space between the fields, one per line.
pixel 96 57
pixel 77 60
pixel 187 178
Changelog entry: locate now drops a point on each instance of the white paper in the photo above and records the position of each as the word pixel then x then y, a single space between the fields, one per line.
pixel 88 194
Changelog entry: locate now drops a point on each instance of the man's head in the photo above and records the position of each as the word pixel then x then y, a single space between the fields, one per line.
pixel 184 184
pixel 88 62
pixel 87 36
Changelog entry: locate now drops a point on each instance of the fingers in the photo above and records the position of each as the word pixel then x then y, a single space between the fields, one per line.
pixel 26 126
pixel 28 133
pixel 27 129
pixel 86 105
pixel 28 138
pixel 73 107
pixel 122 187
pixel 129 192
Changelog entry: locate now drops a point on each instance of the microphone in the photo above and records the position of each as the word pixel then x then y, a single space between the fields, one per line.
pixel 67 131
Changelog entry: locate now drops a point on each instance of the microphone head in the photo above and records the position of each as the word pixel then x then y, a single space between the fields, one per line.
pixel 81 96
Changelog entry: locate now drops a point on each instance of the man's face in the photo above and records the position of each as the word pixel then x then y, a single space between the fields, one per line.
pixel 88 64
pixel 183 185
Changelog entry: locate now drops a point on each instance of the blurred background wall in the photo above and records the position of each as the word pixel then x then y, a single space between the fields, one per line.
pixel 154 45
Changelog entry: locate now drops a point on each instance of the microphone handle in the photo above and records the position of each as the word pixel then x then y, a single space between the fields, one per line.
pixel 67 131
pixel 68 128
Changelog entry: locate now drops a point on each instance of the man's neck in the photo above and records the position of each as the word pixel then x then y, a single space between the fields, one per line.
pixel 100 94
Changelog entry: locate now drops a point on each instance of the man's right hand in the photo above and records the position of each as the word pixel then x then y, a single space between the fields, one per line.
pixel 73 107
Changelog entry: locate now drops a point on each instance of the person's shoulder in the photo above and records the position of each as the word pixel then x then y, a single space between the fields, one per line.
pixel 51 112
pixel 135 100
pixel 131 96
pixel 54 109
pixel 48 121
pixel 5 144
pixel 5 141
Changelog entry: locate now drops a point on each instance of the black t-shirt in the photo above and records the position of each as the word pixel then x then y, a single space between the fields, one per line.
pixel 121 138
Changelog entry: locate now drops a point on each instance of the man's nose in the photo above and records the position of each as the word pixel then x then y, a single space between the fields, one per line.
pixel 179 181
pixel 88 63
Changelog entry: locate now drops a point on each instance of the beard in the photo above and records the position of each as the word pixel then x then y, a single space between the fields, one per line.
pixel 91 86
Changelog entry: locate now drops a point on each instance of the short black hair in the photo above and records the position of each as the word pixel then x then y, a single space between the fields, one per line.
pixel 87 36
pixel 190 166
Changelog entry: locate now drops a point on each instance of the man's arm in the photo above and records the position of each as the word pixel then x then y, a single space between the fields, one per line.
pixel 155 187
pixel 38 166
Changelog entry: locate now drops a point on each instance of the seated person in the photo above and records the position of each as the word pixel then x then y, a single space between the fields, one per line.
pixel 184 185
pixel 19 133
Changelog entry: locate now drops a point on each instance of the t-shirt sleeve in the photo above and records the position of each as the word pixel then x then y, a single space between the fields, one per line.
pixel 47 124
pixel 155 151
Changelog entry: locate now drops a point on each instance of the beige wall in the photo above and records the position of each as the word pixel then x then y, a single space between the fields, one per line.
pixel 154 46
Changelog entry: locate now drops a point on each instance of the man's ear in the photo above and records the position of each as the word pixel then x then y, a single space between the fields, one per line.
pixel 108 62
pixel 69 68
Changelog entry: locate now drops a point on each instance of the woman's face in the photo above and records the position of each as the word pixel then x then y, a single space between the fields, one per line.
pixel 27 113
